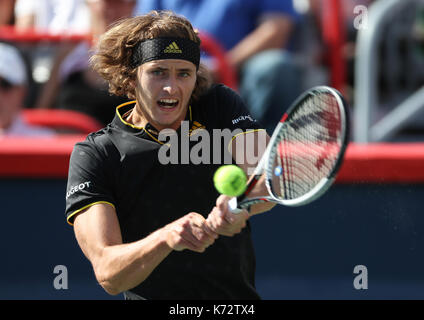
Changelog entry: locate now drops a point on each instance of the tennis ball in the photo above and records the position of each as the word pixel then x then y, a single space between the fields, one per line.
pixel 230 180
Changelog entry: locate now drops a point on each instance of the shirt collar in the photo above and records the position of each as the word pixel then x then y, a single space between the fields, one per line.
pixel 148 131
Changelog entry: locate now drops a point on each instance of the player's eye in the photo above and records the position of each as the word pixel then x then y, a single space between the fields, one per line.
pixel 157 72
pixel 184 74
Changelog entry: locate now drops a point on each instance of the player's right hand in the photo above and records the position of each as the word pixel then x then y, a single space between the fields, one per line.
pixel 189 232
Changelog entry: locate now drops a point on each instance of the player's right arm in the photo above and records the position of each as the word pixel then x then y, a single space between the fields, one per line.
pixel 119 267
pixel 91 209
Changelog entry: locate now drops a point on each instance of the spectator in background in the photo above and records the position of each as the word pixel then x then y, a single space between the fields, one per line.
pixel 254 33
pixel 13 83
pixel 316 40
pixel 6 12
pixel 53 16
pixel 72 84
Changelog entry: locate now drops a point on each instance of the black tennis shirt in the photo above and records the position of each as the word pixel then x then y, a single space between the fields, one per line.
pixel 119 166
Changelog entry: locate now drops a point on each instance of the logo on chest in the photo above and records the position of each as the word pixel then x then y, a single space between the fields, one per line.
pixel 195 127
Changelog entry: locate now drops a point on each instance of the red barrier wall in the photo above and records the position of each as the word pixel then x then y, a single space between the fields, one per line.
pixel 371 163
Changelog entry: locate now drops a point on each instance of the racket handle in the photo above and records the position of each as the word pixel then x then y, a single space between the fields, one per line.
pixel 232 205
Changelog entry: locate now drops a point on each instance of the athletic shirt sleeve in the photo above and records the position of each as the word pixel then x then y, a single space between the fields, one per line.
pixel 233 112
pixel 88 181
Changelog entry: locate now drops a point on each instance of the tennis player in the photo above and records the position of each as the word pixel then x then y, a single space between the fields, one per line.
pixel 155 231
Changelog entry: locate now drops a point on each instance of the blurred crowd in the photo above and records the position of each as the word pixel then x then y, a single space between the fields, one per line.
pixel 276 48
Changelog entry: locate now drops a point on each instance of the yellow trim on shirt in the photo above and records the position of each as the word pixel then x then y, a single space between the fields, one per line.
pixel 123 121
pixel 86 207
pixel 140 128
pixel 232 139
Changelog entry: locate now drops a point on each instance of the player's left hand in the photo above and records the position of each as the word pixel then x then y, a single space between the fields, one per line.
pixel 222 221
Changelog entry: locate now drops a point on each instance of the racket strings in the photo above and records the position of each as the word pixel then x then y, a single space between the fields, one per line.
pixel 308 146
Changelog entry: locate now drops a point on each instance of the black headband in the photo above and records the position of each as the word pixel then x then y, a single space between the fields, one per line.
pixel 166 48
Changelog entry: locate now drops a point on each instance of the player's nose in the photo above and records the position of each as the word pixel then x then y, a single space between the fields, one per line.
pixel 170 86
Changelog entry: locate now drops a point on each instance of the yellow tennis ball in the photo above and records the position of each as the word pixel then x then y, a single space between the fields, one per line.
pixel 230 180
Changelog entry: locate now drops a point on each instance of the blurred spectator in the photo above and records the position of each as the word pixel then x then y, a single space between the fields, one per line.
pixel 308 45
pixel 103 13
pixel 254 34
pixel 6 12
pixel 316 37
pixel 53 16
pixel 72 84
pixel 13 85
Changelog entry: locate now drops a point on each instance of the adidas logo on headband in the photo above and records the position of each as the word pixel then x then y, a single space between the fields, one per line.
pixel 166 48
pixel 172 48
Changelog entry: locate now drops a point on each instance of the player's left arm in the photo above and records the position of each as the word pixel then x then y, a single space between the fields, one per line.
pixel 247 149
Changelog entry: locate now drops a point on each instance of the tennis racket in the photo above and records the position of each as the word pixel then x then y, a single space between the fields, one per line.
pixel 304 152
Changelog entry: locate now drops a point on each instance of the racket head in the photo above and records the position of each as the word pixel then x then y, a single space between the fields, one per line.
pixel 308 147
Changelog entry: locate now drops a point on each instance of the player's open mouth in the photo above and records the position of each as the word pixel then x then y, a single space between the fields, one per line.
pixel 168 103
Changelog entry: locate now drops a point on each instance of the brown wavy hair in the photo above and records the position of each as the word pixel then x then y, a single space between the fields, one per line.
pixel 112 58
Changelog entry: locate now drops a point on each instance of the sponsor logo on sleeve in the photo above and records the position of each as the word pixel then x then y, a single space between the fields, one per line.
pixel 77 188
